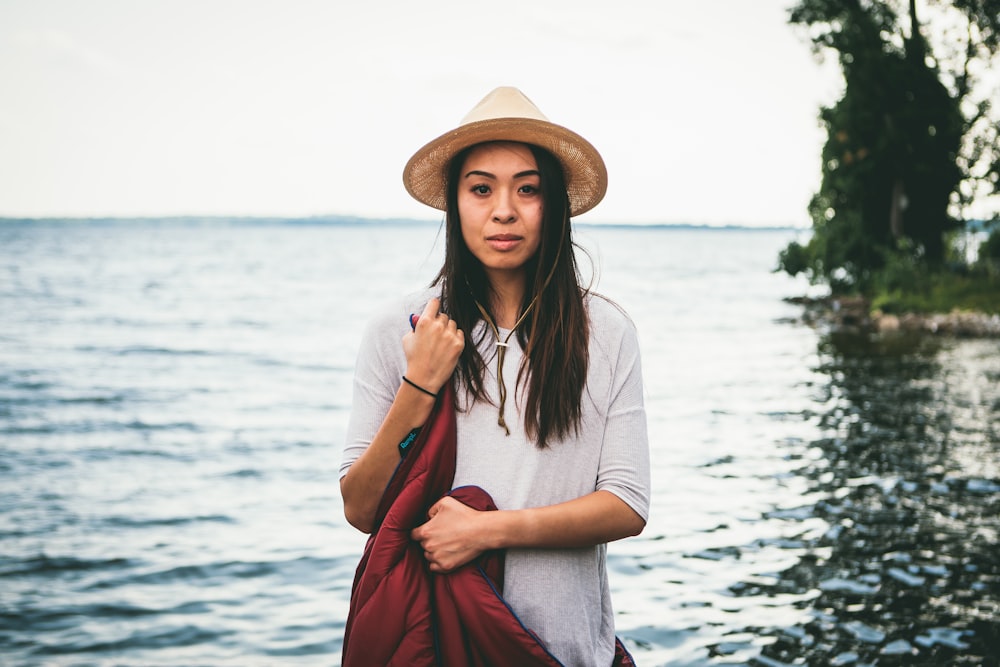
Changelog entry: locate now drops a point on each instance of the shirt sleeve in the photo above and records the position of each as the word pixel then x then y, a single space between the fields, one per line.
pixel 624 468
pixel 378 369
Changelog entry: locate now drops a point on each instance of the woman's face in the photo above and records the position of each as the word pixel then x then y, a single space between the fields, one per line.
pixel 500 206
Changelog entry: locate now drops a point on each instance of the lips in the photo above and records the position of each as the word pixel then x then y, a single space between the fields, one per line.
pixel 503 241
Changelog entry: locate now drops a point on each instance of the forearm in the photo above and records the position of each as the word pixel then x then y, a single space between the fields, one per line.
pixel 365 482
pixel 596 518
pixel 455 533
pixel 432 350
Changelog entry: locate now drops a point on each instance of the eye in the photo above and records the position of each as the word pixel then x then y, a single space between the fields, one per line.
pixel 480 189
pixel 528 189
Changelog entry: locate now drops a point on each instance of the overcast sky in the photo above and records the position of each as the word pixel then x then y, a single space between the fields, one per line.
pixel 705 111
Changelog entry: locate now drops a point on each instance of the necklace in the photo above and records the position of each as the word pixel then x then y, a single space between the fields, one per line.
pixel 501 352
pixel 502 345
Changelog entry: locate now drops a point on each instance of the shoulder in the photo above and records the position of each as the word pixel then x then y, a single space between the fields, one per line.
pixel 613 335
pixel 608 320
pixel 394 313
pixel 390 320
pixel 614 377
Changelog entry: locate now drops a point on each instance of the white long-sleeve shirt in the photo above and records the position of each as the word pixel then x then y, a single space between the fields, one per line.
pixel 561 594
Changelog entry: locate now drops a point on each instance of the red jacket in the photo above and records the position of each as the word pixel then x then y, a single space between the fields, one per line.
pixel 401 613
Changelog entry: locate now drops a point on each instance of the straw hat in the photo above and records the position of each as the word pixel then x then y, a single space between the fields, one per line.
pixel 507 115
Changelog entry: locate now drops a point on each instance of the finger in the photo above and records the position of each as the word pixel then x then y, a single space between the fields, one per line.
pixel 432 309
pixel 435 508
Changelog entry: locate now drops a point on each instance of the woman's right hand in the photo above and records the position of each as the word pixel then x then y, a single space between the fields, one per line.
pixel 433 347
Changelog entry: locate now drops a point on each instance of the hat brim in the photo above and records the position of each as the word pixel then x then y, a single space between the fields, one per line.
pixel 425 174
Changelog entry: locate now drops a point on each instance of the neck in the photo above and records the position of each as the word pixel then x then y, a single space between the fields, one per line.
pixel 507 297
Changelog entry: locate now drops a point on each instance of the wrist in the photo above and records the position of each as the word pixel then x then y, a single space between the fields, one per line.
pixel 501 530
pixel 419 387
pixel 413 407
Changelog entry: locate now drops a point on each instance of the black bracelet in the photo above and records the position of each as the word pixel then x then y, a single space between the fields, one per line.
pixel 418 387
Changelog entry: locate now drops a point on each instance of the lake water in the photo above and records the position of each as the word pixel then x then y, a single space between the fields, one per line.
pixel 173 399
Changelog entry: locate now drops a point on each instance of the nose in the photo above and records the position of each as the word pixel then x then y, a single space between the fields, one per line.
pixel 504 210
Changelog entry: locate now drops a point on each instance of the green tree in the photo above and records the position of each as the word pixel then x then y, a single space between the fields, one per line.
pixel 901 159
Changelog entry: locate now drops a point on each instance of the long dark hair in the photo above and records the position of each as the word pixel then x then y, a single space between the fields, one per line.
pixel 555 334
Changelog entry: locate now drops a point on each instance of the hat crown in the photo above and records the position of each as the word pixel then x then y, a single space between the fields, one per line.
pixel 504 102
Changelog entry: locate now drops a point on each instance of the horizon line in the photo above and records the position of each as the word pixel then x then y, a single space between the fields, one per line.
pixel 349 220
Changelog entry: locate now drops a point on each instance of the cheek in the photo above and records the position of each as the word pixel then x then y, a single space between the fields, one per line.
pixel 470 209
pixel 534 219
pixel 466 228
pixel 539 208
pixel 467 235
pixel 464 216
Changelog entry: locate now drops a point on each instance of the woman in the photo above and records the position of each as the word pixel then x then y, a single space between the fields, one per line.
pixel 550 417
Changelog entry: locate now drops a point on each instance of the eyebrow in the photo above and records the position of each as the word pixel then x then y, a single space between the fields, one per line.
pixel 486 174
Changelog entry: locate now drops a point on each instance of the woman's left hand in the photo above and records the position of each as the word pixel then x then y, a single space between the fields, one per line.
pixel 452 535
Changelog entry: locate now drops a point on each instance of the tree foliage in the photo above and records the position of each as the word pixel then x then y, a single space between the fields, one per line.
pixel 907 144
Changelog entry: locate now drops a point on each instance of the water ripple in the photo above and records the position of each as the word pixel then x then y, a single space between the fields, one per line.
pixel 173 399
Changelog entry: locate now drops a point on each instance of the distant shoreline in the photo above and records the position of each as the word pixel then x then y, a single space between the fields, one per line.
pixel 350 221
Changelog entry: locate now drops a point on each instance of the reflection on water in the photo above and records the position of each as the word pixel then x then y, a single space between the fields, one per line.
pixel 907 468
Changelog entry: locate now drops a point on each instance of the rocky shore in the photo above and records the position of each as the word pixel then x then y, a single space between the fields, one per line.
pixel 855 314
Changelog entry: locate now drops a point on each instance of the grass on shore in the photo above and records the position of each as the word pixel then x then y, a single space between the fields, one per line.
pixel 943 292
